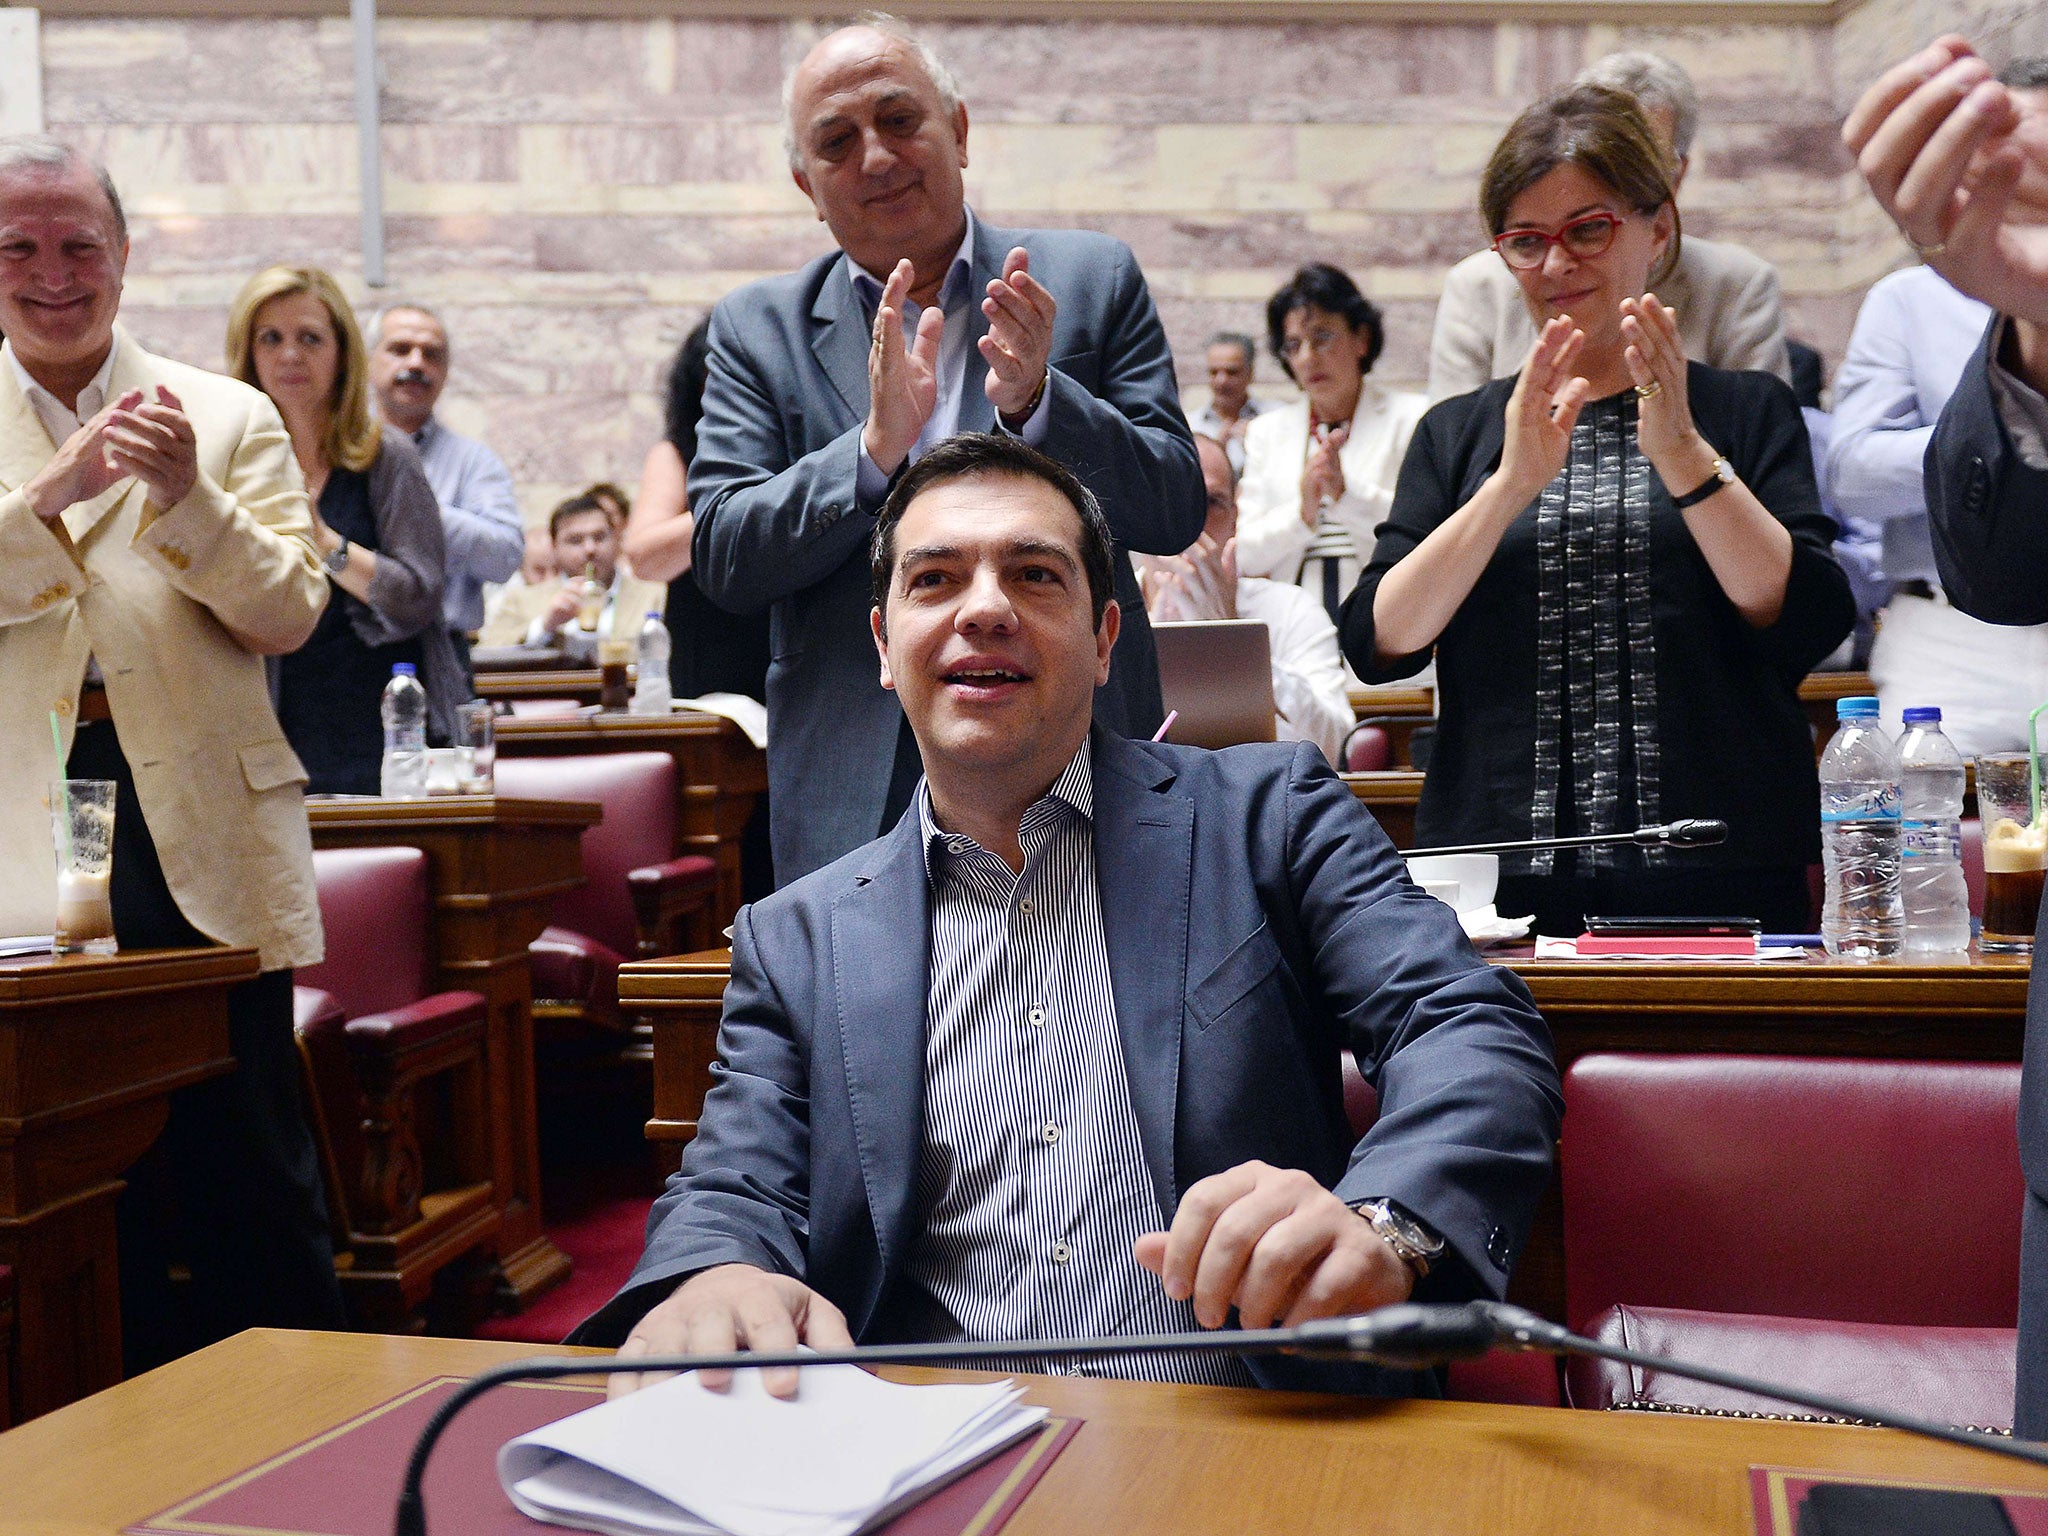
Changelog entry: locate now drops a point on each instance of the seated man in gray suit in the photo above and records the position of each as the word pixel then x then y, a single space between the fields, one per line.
pixel 1726 297
pixel 1960 162
pixel 1059 1055
pixel 824 383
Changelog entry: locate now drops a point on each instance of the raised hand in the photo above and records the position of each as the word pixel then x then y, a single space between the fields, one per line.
pixel 1322 472
pixel 81 469
pixel 1934 139
pixel 153 441
pixel 902 386
pixel 1018 345
pixel 1543 410
pixel 1664 426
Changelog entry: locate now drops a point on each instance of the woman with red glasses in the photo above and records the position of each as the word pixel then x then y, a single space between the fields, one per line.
pixel 1619 561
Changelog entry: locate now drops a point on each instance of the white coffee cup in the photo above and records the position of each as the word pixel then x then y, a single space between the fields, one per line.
pixel 1476 876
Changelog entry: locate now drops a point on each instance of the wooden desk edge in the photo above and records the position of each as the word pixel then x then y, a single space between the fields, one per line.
pixel 453 811
pixel 37 979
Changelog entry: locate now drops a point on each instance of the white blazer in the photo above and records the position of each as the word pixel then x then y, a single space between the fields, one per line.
pixel 176 603
pixel 1272 539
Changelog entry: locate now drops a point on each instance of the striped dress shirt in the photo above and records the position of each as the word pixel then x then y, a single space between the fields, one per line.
pixel 1031 1178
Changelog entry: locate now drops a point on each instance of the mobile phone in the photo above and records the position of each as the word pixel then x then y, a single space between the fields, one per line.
pixel 1675 927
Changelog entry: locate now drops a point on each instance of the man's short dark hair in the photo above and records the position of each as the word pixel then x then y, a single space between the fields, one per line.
pixel 978 454
pixel 576 506
pixel 1236 339
pixel 2029 72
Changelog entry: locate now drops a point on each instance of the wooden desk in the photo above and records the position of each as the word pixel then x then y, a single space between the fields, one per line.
pixel 718 773
pixel 1391 797
pixel 91 1049
pixel 1152 1460
pixel 582 684
pixel 496 865
pixel 681 997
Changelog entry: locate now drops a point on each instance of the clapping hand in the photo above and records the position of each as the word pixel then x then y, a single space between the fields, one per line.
pixel 1018 345
pixel 1543 410
pixel 1934 139
pixel 82 468
pixel 902 386
pixel 153 441
pixel 1199 583
pixel 1322 472
pixel 1664 426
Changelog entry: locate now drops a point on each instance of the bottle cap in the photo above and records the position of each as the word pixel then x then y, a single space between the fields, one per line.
pixel 1856 708
pixel 404 669
pixel 1922 715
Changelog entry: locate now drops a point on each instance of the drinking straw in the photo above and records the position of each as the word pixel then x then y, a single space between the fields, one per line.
pixel 1174 714
pixel 64 810
pixel 2034 758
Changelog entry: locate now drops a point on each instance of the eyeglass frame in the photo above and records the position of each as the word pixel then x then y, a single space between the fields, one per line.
pixel 1613 221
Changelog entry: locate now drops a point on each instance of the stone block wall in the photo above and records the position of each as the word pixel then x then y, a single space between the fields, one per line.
pixel 573 194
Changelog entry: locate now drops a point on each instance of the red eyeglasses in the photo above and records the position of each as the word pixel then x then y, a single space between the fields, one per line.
pixel 1586 236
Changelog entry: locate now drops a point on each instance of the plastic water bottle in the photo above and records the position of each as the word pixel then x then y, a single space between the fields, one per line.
pixel 1936 898
pixel 1863 916
pixel 404 775
pixel 650 690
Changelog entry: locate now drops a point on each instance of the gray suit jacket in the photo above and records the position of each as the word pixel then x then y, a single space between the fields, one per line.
pixel 1261 922
pixel 1729 316
pixel 779 522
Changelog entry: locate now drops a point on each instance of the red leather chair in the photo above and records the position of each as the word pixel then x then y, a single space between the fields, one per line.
pixel 1368 748
pixel 637 900
pixel 1501 1377
pixel 395 1086
pixel 1791 1188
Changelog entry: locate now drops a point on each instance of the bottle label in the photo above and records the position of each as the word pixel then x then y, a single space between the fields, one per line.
pixel 1887 812
pixel 1928 840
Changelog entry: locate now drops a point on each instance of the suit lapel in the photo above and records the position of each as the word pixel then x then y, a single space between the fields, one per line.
pixel 881 964
pixel 1144 855
pixel 840 336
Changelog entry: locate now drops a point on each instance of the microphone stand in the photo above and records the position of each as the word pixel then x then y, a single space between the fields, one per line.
pixel 1693 832
pixel 1409 1335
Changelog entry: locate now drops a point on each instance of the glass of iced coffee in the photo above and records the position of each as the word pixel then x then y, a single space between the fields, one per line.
pixel 2015 853
pixel 82 822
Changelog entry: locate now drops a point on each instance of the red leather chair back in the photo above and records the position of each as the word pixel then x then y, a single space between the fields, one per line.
pixel 638 793
pixel 1860 1191
pixel 1368 749
pixel 377 908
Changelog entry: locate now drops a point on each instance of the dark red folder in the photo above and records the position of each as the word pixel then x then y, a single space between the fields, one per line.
pixel 344 1482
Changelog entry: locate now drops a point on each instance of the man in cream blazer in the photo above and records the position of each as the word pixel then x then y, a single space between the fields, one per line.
pixel 155 545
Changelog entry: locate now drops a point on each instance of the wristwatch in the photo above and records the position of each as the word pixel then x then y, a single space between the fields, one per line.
pixel 1724 474
pixel 1413 1243
pixel 336 559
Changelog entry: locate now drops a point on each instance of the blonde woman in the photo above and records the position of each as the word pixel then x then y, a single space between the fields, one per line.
pixel 293 335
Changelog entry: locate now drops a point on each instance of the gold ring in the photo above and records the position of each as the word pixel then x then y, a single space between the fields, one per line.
pixel 1927 252
pixel 1650 390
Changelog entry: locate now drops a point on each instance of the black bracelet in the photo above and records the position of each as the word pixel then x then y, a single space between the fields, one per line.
pixel 1722 476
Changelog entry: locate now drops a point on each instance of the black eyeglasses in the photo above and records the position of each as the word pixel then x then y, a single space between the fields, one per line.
pixel 1528 249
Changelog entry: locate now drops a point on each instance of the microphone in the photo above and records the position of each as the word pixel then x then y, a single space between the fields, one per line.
pixel 1692 832
pixel 1408 1336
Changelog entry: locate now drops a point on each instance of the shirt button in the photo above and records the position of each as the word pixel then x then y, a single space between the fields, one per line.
pixel 1061 1253
pixel 1024 906
pixel 1036 1016
pixel 1051 1133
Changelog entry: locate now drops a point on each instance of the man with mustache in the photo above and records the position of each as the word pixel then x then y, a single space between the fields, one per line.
pixel 479 517
pixel 825 383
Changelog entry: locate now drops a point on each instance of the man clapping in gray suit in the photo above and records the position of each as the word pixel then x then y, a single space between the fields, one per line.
pixel 826 382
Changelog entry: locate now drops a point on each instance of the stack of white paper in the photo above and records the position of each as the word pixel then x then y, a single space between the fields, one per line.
pixel 676 1460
